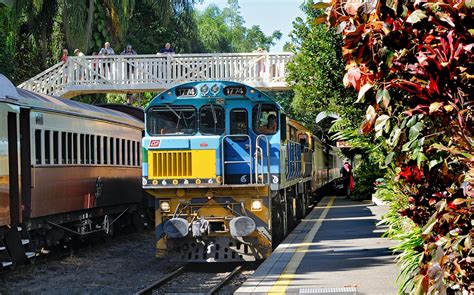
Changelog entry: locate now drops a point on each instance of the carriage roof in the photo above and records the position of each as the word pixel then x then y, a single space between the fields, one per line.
pixel 11 94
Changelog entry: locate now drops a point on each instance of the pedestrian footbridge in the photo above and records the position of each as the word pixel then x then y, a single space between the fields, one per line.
pixel 153 73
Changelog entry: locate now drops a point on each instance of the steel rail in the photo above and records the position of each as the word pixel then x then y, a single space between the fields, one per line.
pixel 225 280
pixel 149 289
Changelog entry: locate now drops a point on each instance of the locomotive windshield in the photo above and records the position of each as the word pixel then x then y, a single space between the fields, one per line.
pixel 167 120
pixel 211 120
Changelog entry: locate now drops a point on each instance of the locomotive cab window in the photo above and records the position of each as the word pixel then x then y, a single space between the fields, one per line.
pixel 211 120
pixel 239 123
pixel 265 119
pixel 171 120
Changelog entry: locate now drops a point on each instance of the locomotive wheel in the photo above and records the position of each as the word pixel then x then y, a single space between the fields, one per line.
pixel 278 226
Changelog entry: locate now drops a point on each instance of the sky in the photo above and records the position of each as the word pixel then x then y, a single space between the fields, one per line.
pixel 270 15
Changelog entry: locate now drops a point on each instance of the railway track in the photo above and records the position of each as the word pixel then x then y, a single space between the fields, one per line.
pixel 194 278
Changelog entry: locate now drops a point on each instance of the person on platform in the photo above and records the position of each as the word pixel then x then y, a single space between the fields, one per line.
pixel 78 53
pixel 347 178
pixel 64 56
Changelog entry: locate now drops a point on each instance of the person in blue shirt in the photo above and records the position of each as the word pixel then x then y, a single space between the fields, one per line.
pixel 167 49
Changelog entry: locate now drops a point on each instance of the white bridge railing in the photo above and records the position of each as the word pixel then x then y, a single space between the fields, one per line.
pixel 141 73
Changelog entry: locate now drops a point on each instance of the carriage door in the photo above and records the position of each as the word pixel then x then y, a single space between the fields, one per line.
pixel 237 150
pixel 14 171
pixel 25 155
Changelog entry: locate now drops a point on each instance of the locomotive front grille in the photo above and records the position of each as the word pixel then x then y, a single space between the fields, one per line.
pixel 166 164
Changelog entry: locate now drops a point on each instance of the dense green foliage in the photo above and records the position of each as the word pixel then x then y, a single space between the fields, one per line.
pixel 224 31
pixel 412 65
pixel 317 70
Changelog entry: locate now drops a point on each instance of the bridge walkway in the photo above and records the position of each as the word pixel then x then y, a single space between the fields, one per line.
pixel 154 73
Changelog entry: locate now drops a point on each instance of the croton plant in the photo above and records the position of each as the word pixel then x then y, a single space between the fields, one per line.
pixel 412 65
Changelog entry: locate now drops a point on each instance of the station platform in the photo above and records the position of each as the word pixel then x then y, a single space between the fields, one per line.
pixel 336 249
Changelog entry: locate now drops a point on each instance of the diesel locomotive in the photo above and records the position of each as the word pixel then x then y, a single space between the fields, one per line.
pixel 66 169
pixel 230 173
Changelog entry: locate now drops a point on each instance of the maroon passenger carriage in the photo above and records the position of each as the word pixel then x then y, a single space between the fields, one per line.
pixel 66 169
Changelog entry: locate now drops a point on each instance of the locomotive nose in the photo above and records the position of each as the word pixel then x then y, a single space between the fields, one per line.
pixel 242 226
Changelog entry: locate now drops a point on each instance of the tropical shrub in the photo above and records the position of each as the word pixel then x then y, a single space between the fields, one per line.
pixel 412 65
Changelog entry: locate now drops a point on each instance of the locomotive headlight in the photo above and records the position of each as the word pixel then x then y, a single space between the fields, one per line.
pixel 165 206
pixel 204 89
pixel 256 205
pixel 215 89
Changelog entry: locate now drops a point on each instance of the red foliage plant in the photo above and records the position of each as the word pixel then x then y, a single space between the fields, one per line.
pixel 412 63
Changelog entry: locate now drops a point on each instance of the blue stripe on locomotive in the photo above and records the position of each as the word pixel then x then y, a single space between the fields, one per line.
pixel 193 142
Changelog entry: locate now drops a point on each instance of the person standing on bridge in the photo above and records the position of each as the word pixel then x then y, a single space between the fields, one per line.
pixel 260 62
pixel 79 53
pixel 105 51
pixel 167 49
pixel 129 62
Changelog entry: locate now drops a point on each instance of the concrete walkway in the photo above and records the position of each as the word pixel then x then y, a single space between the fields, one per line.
pixel 336 249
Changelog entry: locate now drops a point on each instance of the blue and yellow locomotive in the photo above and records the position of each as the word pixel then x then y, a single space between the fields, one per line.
pixel 229 172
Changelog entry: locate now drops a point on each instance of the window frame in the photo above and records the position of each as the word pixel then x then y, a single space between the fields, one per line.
pixel 196 127
pixel 223 118
pixel 243 138
pixel 277 118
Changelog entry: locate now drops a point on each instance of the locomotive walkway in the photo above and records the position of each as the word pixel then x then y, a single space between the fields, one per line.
pixel 153 73
pixel 336 249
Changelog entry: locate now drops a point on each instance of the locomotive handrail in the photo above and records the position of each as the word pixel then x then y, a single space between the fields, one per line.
pixel 259 149
pixel 224 162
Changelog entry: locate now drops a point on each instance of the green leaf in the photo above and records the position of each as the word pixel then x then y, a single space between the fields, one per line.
pixel 394 136
pixel 415 131
pixel 416 16
pixel 386 98
pixel 380 124
pixel 389 158
pixel 362 92
pixel 434 163
pixel 412 121
pixel 321 5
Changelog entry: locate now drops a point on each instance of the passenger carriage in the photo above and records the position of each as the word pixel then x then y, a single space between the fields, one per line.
pixel 66 169
pixel 230 173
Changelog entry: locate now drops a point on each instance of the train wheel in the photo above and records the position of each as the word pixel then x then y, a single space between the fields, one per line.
pixel 278 226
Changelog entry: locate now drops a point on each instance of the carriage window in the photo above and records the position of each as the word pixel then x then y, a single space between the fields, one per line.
pixel 134 159
pixel 238 121
pixel 211 119
pixel 47 147
pixel 64 147
pixel 55 147
pixel 128 153
pixel 265 119
pixel 112 151
pixel 70 156
pixel 38 146
pixel 167 120
pixel 81 148
pixel 88 150
pixel 75 160
pixel 117 151
pixel 123 152
pixel 93 149
pixel 99 150
pixel 138 153
pixel 106 150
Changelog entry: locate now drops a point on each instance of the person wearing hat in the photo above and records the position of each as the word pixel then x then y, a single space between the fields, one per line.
pixel 347 178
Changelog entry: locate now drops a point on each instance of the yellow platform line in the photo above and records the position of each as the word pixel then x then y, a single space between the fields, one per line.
pixel 285 278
